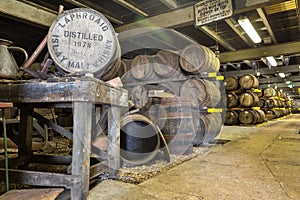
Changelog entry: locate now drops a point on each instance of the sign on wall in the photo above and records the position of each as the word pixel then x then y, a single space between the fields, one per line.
pixel 207 11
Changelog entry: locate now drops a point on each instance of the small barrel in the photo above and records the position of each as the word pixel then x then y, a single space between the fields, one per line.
pixel 139 139
pixel 78 43
pixel 248 99
pixel 232 100
pixel 167 64
pixel 195 59
pixel 249 117
pixel 269 92
pixel 142 67
pixel 139 96
pixel 178 128
pixel 200 92
pixel 248 81
pixel 232 117
pixel 231 83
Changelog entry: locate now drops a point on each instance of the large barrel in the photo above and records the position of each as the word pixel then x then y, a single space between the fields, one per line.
pixel 82 40
pixel 142 67
pixel 139 96
pixel 208 127
pixel 200 92
pixel 232 100
pixel 271 103
pixel 178 127
pixel 124 71
pixel 231 83
pixel 139 139
pixel 269 92
pixel 167 64
pixel 248 81
pixel 232 117
pixel 248 99
pixel 249 117
pixel 262 116
pixel 195 59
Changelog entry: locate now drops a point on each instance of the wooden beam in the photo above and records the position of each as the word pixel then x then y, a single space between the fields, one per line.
pixel 182 17
pixel 263 71
pixel 171 4
pixel 248 54
pixel 279 79
pixel 29 12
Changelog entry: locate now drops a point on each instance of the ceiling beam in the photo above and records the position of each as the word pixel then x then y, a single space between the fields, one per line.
pixel 212 34
pixel 171 4
pixel 273 50
pixel 86 4
pixel 182 17
pixel 266 23
pixel 131 7
pixel 29 12
pixel 264 71
pixel 233 25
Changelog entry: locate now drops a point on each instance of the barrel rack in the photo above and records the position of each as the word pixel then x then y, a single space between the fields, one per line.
pixel 84 95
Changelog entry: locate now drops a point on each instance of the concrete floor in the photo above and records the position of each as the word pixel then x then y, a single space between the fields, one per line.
pixel 257 163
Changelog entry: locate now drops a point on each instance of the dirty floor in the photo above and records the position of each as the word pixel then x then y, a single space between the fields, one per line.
pixel 257 163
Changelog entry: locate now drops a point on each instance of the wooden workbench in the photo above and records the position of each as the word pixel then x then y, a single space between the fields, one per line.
pixel 83 95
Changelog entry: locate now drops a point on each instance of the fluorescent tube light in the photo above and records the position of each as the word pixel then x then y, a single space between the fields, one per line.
pixel 249 29
pixel 272 61
pixel 282 75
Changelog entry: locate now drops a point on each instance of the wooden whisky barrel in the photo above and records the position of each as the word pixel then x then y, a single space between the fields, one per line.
pixel 139 96
pixel 248 81
pixel 178 128
pixel 249 117
pixel 248 99
pixel 82 40
pixel 232 100
pixel 261 103
pixel 271 103
pixel 269 92
pixel 231 83
pixel 139 139
pixel 200 92
pixel 124 71
pixel 195 59
pixel 167 64
pixel 142 67
pixel 232 117
pixel 262 116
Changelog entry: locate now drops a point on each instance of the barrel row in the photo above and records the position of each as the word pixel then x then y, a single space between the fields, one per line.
pixel 194 59
pixel 251 99
pixel 247 81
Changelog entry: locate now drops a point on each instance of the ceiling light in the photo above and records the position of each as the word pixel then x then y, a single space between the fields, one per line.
pixel 272 61
pixel 131 7
pixel 287 82
pixel 249 29
pixel 282 75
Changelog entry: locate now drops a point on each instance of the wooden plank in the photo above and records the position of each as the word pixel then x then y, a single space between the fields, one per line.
pixel 113 147
pixel 82 147
pixel 28 12
pixel 272 50
pixel 41 178
pixel 32 194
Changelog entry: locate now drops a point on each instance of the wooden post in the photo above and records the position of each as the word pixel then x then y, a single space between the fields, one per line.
pixel 81 147
pixel 25 137
pixel 113 147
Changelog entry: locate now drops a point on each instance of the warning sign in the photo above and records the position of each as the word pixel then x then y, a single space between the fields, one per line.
pixel 208 11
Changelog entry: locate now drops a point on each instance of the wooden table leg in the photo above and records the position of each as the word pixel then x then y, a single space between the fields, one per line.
pixel 113 147
pixel 26 126
pixel 82 129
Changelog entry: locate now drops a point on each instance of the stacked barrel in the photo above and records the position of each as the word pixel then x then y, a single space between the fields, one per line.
pixel 172 89
pixel 274 103
pixel 243 100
